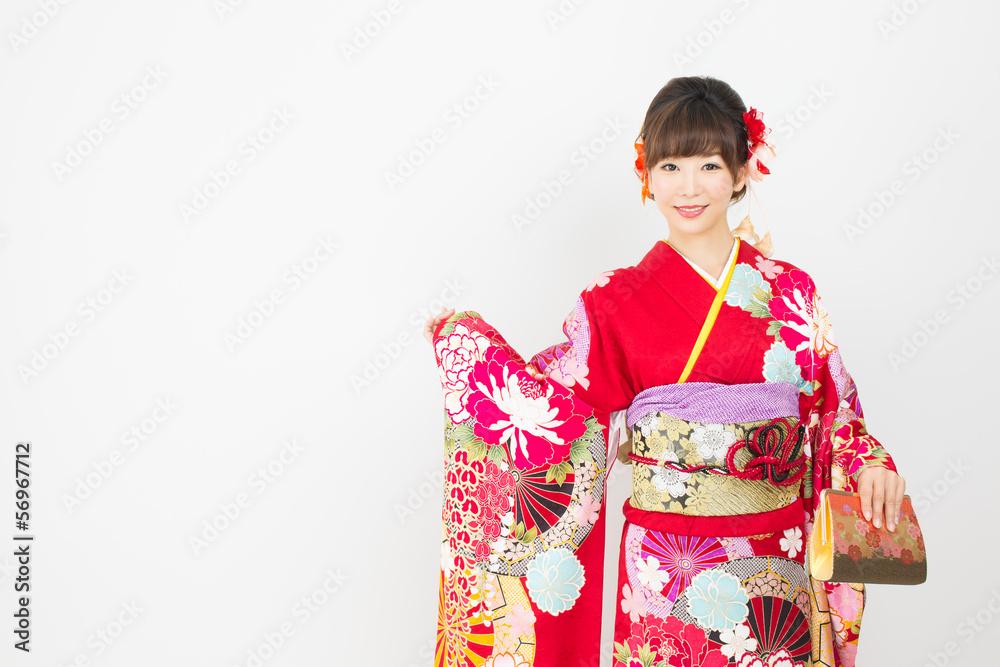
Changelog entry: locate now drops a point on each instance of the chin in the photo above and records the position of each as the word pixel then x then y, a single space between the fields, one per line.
pixel 687 225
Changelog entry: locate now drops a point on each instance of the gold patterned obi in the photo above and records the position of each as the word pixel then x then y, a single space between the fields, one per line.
pixel 721 464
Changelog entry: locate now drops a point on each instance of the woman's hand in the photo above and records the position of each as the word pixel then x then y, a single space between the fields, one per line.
pixel 880 487
pixel 434 321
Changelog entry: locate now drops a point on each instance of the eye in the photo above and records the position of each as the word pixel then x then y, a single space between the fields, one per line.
pixel 713 166
pixel 668 166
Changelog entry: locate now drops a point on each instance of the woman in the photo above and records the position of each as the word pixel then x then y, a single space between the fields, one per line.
pixel 724 366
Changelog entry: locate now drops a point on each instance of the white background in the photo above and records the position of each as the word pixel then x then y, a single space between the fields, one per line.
pixel 360 500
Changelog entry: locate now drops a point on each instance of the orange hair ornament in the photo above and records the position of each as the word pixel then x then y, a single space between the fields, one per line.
pixel 640 169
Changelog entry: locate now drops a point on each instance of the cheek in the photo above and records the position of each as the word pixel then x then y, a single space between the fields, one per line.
pixel 722 189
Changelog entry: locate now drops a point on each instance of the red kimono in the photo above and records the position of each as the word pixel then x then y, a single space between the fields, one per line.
pixel 740 412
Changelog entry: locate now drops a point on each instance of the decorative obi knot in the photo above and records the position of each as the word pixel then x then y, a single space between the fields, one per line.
pixel 775 451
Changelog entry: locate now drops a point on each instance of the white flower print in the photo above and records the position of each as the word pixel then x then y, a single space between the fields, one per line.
pixel 650 574
pixel 737 641
pixel 780 658
pixel 447 559
pixel 648 424
pixel 792 541
pixel 713 440
pixel 668 479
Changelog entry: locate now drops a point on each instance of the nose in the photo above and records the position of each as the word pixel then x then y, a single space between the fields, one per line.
pixel 690 183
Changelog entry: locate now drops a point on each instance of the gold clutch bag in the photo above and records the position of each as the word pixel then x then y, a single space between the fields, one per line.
pixel 846 547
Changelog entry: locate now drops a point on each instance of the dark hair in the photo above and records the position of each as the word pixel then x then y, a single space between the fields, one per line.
pixel 697 115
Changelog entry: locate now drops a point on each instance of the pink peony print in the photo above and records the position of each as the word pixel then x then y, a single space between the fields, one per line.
pixel 537 420
pixel 458 353
pixel 807 327
pixel 679 644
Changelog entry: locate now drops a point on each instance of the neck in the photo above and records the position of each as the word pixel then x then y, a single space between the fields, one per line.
pixel 709 250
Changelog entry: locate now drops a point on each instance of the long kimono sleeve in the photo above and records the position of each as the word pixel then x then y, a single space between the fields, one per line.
pixel 523 510
pixel 840 448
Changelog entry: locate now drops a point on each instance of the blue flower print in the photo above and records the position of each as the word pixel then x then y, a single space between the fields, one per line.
pixel 554 580
pixel 716 600
pixel 747 290
pixel 780 366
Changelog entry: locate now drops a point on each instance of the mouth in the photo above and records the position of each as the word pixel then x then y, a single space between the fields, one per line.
pixel 690 211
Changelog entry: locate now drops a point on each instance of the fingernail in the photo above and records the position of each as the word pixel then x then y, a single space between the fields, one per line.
pixel 877 522
pixel 868 515
pixel 892 526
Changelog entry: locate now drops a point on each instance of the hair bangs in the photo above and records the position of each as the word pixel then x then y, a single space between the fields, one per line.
pixel 688 130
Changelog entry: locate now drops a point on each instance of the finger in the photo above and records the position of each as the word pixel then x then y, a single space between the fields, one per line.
pixel 891 501
pixel 878 500
pixel 902 492
pixel 865 491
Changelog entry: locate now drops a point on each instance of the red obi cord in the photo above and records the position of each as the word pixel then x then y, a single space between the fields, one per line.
pixel 776 450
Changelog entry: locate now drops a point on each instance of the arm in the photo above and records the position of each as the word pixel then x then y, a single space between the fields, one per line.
pixel 857 461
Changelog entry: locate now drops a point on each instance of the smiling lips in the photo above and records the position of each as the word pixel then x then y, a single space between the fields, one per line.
pixel 690 211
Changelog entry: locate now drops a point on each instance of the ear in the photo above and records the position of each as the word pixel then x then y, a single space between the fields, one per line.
pixel 741 177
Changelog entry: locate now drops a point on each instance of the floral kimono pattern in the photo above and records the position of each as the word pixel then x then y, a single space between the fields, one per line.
pixel 526 460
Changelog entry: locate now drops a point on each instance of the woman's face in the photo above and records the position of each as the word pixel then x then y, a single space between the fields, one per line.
pixel 693 193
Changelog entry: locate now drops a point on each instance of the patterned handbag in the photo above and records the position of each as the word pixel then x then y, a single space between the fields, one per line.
pixel 846 547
